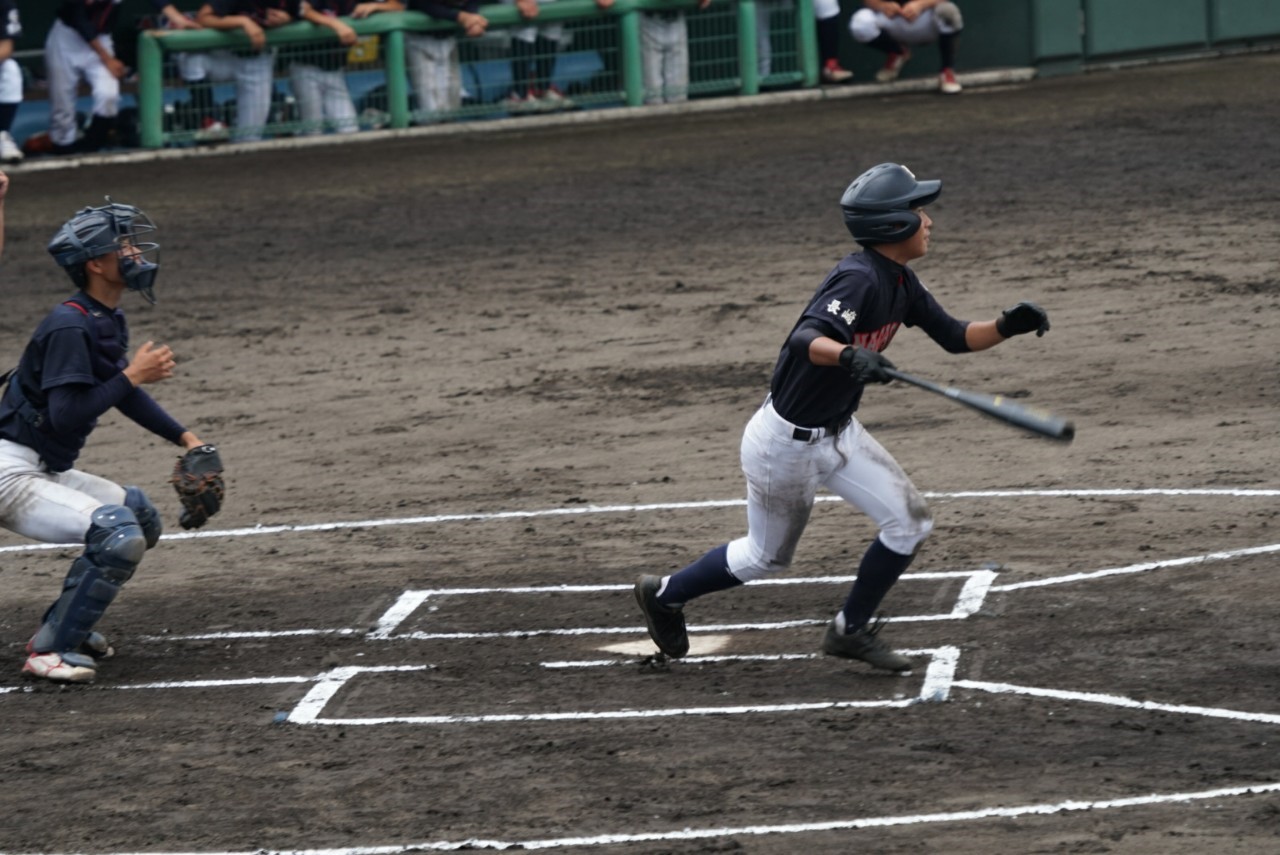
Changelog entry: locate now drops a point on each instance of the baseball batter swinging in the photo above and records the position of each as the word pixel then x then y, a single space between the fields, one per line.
pixel 805 436
pixel 73 370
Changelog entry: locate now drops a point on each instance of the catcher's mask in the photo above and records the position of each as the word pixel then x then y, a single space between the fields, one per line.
pixel 879 206
pixel 114 227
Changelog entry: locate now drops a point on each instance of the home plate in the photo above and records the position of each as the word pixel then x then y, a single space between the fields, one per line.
pixel 699 645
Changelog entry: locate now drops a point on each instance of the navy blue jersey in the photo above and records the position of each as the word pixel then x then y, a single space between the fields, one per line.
pixel 89 18
pixel 340 8
pixel 254 9
pixel 187 7
pixel 446 10
pixel 80 347
pixel 10 24
pixel 862 302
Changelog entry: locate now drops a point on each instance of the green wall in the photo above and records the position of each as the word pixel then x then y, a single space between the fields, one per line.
pixel 1059 36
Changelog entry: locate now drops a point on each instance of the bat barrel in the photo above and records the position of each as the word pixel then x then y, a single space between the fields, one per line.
pixel 998 407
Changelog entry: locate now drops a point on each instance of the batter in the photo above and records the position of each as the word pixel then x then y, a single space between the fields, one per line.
pixel 805 436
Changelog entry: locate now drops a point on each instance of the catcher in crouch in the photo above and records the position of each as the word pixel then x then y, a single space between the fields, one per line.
pixel 73 370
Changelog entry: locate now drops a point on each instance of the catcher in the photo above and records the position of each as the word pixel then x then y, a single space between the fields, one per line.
pixel 73 370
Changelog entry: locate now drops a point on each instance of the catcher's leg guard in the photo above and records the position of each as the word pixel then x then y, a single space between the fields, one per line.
pixel 148 517
pixel 113 547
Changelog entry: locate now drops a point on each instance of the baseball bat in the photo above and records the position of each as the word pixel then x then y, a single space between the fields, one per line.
pixel 998 407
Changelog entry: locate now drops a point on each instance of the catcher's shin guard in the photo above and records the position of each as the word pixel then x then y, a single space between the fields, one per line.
pixel 148 517
pixel 113 547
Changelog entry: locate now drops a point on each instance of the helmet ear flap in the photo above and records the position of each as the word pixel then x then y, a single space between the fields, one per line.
pixel 887 227
pixel 880 205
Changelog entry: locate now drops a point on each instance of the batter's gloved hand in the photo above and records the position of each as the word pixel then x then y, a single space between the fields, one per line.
pixel 1022 318
pixel 865 366
pixel 197 479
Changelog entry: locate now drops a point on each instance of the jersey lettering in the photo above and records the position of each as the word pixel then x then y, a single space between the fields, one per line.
pixel 877 340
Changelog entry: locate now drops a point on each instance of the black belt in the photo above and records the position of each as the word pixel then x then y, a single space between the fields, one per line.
pixel 802 434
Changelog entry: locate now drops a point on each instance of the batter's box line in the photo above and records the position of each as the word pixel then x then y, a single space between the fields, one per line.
pixel 1113 701
pixel 970 599
pixel 938 677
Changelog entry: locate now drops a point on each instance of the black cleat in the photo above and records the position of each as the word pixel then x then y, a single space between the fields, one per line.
pixel 666 623
pixel 865 645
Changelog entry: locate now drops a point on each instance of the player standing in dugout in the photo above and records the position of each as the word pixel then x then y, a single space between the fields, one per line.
pixel 805 435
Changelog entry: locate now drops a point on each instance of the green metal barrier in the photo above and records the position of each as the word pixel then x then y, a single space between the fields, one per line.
pixel 728 52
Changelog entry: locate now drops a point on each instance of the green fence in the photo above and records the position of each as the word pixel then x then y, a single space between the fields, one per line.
pixel 407 68
pixel 1070 35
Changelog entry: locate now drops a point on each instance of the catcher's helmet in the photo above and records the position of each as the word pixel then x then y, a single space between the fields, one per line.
pixel 879 206
pixel 94 232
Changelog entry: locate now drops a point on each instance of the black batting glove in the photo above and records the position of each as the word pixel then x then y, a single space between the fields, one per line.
pixel 865 366
pixel 1023 318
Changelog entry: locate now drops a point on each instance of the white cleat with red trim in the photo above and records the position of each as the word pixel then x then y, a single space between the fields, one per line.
pixel 59 668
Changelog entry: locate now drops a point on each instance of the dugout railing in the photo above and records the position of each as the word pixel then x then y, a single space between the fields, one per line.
pixel 734 48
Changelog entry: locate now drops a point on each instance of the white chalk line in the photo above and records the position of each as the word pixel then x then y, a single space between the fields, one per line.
pixel 970 599
pixel 1142 568
pixel 687 834
pixel 939 693
pixel 938 682
pixel 940 673
pixel 499 516
pixel 1115 701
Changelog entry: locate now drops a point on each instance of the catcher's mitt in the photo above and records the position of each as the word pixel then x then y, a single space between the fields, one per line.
pixel 197 478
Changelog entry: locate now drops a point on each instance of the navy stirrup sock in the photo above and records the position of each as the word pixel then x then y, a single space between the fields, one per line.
pixel 829 38
pixel 708 574
pixel 880 568
pixel 886 43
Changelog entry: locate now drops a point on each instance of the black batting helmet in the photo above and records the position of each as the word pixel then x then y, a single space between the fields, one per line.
pixel 879 206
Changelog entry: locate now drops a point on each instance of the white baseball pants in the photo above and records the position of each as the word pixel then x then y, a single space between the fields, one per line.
pixel 823 9
pixel 764 33
pixel 322 95
pixel 46 506
pixel 68 58
pixel 783 477
pixel 10 82
pixel 435 71
pixel 865 25
pixel 664 58
pixel 253 76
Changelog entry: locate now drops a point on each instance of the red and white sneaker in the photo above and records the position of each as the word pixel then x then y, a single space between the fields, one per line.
pixel 517 103
pixel 52 666
pixel 553 99
pixel 947 83
pixel 211 130
pixel 833 72
pixel 893 67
